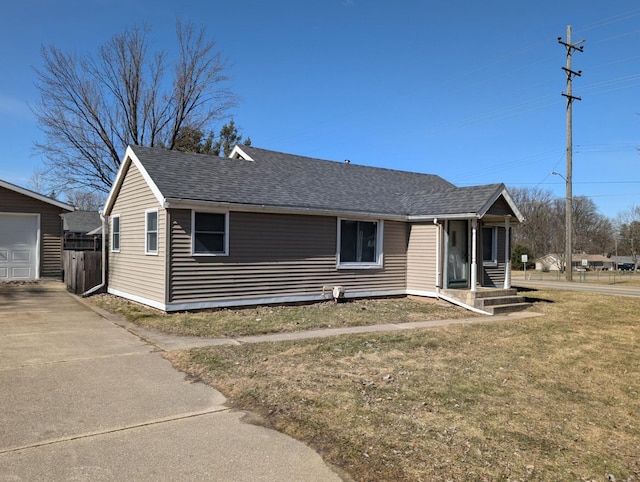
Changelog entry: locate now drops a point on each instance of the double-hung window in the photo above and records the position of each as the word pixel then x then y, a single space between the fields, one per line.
pixel 210 234
pixel 151 231
pixel 359 244
pixel 115 233
pixel 490 246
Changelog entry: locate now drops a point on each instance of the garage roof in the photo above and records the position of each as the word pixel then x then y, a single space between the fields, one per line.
pixel 35 195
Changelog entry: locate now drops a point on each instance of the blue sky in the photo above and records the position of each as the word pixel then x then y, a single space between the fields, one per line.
pixel 470 91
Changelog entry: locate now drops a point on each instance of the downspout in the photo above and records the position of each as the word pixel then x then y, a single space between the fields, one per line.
pixel 438 254
pixel 474 249
pixel 104 259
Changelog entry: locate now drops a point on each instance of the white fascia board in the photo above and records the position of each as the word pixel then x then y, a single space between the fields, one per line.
pixel 502 191
pixel 512 205
pixel 238 153
pixel 35 195
pixel 431 217
pixel 170 203
pixel 130 157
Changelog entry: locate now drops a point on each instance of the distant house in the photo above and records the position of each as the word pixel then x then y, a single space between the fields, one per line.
pixel 550 262
pixel 191 231
pixel 82 230
pixel 555 262
pixel 30 234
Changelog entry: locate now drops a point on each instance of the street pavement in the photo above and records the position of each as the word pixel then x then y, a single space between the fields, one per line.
pixel 81 398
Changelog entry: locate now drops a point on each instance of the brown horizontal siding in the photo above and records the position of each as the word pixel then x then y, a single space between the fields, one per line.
pixel 131 271
pixel 50 228
pixel 273 255
pixel 421 257
pixel 500 208
pixel 494 275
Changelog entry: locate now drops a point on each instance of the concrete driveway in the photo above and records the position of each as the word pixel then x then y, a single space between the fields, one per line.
pixel 84 399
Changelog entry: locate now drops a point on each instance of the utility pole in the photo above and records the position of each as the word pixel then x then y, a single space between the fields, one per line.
pixel 568 249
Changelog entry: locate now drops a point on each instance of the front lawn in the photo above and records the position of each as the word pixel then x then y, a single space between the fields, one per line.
pixel 278 319
pixel 555 397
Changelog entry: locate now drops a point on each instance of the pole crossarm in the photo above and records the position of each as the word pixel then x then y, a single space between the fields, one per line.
pixel 572 97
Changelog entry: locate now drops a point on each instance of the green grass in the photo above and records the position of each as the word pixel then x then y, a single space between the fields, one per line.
pixel 555 397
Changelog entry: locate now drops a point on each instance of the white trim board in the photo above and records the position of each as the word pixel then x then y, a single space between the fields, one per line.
pixel 227 303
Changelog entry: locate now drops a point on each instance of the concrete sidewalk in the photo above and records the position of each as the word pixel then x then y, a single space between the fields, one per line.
pixel 83 399
pixel 174 342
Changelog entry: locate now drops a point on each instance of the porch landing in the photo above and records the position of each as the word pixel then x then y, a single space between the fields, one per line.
pixel 490 300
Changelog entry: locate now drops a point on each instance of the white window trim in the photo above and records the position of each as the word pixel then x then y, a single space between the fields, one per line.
pixel 379 251
pixel 493 262
pixel 193 232
pixel 147 251
pixel 114 216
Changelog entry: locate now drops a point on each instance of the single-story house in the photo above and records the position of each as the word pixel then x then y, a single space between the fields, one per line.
pixel 82 230
pixel 30 234
pixel 555 262
pixel 191 231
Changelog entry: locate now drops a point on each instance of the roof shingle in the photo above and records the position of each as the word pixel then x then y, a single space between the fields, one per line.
pixel 284 180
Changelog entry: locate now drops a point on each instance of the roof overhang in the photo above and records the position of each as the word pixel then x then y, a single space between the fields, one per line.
pixel 502 191
pixel 35 195
pixel 130 158
pixel 172 203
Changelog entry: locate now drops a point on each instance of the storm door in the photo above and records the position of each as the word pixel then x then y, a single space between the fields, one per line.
pixel 458 255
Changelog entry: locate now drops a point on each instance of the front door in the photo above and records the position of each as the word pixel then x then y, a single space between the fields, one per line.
pixel 458 255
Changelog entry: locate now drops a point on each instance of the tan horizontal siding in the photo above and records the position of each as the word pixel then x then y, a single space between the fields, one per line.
pixel 131 271
pixel 50 228
pixel 421 257
pixel 272 255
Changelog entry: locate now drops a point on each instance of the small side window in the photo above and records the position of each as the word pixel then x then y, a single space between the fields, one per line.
pixel 151 231
pixel 115 233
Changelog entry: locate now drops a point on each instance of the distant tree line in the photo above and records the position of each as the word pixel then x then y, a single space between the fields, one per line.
pixel 543 231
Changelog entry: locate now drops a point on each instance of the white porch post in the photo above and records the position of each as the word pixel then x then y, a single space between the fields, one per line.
pixel 507 257
pixel 474 249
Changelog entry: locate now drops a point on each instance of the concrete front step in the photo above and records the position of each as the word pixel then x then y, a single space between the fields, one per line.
pixel 507 308
pixel 490 300
pixel 500 300
pixel 493 292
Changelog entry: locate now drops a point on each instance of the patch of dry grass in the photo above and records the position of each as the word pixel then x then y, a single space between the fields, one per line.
pixel 549 398
pixel 277 319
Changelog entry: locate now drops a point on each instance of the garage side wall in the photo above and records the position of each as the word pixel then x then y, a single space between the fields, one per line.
pixel 132 273
pixel 50 228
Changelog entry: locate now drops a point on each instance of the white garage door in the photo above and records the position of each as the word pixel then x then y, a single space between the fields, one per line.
pixel 18 247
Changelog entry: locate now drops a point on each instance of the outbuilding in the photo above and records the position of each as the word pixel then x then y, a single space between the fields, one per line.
pixel 30 234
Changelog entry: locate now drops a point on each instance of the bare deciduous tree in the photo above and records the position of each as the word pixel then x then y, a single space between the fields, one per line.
pixel 540 228
pixel 592 232
pixel 85 200
pixel 92 106
pixel 543 230
pixel 629 234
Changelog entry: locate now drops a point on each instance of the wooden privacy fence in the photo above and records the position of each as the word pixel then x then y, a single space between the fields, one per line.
pixel 82 270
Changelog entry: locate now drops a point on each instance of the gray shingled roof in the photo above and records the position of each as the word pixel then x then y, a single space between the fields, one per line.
pixel 286 180
pixel 81 221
